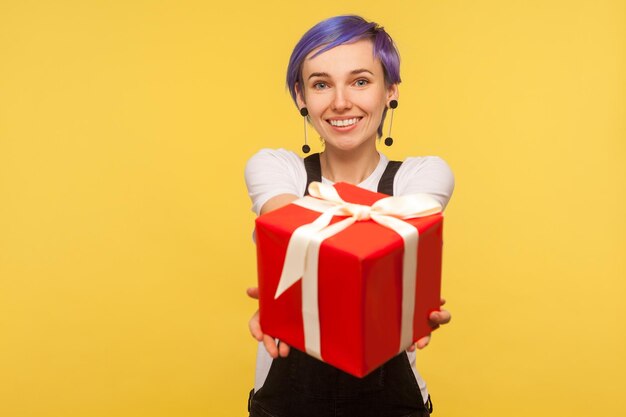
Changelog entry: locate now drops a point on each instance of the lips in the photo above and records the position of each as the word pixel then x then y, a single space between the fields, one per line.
pixel 344 122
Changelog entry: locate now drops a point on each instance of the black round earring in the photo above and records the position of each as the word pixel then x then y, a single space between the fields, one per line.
pixel 304 113
pixel 392 104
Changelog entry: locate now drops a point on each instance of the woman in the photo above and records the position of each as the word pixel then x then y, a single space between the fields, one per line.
pixel 343 75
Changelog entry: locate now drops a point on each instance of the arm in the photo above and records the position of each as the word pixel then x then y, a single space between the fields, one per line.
pixel 254 324
pixel 277 202
pixel 433 176
pixel 274 179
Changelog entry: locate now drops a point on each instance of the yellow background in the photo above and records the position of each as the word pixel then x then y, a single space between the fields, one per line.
pixel 125 229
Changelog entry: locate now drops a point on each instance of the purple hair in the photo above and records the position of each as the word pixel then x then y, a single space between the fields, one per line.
pixel 340 30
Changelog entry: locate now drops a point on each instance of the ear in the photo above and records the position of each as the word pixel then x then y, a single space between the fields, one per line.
pixel 299 96
pixel 392 92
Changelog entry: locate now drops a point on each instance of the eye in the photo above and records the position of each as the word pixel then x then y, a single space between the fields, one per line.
pixel 361 83
pixel 320 85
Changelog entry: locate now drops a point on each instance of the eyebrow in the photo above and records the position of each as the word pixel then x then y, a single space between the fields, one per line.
pixel 353 72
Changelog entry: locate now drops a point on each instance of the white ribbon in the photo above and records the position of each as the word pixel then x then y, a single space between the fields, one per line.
pixel 301 260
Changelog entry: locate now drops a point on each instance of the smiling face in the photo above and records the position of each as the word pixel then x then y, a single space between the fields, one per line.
pixel 345 93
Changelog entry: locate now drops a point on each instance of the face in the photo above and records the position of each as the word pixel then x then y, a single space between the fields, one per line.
pixel 344 91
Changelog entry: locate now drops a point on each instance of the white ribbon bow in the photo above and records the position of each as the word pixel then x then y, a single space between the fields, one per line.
pixel 301 260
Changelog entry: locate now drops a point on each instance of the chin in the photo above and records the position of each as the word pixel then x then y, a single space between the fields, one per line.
pixel 345 145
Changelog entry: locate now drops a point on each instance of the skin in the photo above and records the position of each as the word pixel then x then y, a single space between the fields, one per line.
pixel 342 84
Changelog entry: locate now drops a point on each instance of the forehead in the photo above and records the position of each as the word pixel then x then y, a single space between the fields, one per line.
pixel 343 59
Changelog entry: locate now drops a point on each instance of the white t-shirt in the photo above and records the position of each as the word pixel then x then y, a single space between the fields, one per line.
pixel 272 172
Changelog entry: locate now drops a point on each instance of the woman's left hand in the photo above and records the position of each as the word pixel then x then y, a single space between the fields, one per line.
pixel 437 318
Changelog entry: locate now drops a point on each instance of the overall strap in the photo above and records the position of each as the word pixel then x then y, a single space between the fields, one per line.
pixel 385 185
pixel 313 170
pixel 314 173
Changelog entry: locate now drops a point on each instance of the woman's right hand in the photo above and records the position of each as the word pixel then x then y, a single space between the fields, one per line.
pixel 282 349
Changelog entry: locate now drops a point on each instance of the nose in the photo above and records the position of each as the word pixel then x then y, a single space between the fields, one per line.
pixel 341 100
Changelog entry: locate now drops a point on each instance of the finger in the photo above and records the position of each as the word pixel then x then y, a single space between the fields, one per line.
pixel 442 301
pixel 270 346
pixel 440 317
pixel 423 342
pixel 253 292
pixel 283 349
pixel 411 348
pixel 255 327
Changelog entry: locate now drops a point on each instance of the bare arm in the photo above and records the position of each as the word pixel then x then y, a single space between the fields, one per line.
pixel 277 202
pixel 254 324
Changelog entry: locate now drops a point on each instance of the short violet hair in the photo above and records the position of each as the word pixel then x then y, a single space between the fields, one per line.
pixel 340 30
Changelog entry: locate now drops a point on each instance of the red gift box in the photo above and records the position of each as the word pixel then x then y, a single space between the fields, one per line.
pixel 359 281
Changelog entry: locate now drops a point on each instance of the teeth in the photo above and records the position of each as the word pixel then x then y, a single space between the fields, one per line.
pixel 346 122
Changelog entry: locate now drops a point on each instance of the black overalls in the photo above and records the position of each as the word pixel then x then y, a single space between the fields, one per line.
pixel 302 386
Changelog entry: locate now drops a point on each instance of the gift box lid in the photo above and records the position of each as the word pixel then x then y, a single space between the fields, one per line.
pixel 357 238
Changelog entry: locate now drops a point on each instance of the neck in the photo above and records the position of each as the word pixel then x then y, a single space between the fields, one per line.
pixel 351 166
